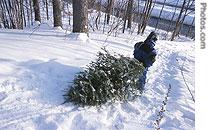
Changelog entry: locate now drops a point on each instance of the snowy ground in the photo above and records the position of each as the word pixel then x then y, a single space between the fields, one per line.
pixel 36 69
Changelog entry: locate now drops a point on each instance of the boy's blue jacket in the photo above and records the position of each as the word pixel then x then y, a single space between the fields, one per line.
pixel 145 53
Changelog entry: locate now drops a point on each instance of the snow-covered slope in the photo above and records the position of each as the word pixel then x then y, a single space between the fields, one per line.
pixel 35 69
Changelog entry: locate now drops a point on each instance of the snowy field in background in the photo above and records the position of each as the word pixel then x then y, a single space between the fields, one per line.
pixel 35 70
pixel 168 11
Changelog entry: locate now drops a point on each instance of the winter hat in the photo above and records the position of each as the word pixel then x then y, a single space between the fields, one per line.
pixel 152 36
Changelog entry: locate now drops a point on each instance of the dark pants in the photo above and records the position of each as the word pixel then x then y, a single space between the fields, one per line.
pixel 142 79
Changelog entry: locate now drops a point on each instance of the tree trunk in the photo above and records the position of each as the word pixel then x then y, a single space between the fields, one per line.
pixel 3 15
pixel 80 16
pixel 27 12
pixel 125 18
pixel 57 13
pixel 190 27
pixel 142 15
pixel 37 10
pixel 22 15
pixel 109 9
pixel 183 18
pixel 1 21
pixel 177 26
pixel 169 27
pixel 156 26
pixel 47 12
pixel 31 11
pixel 146 15
pixel 130 13
pixel 91 4
pixel 98 8
pixel 10 13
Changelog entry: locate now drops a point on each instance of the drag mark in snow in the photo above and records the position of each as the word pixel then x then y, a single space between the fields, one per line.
pixel 181 69
pixel 162 110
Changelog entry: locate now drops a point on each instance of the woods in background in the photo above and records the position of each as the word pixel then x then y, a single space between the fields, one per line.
pixel 129 15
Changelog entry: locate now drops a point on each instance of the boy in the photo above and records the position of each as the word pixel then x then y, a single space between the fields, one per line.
pixel 145 53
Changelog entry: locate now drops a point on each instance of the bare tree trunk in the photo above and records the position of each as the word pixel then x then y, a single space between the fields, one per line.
pixel 8 6
pixel 169 27
pixel 31 11
pixel 125 18
pixel 190 28
pixel 69 20
pixel 124 23
pixel 22 14
pixel 177 26
pixel 159 17
pixel 16 13
pixel 142 14
pixel 104 23
pixel 47 10
pixel 3 15
pixel 57 13
pixel 91 4
pixel 1 18
pixel 183 18
pixel 80 16
pixel 37 10
pixel 12 14
pixel 27 12
pixel 98 8
pixel 109 10
pixel 147 15
pixel 130 13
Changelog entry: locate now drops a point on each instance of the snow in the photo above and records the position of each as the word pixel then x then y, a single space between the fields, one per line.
pixel 36 67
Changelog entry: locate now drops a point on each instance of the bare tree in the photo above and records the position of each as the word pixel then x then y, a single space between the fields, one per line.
pixel 159 17
pixel 91 3
pixel 37 10
pixel 186 12
pixel 80 16
pixel 1 17
pixel 31 11
pixel 22 14
pixel 146 15
pixel 109 9
pixel 128 15
pixel 191 28
pixel 47 10
pixel 12 14
pixel 172 18
pixel 57 13
pixel 182 14
pixel 27 12
pixel 98 8
pixel 9 14
pixel 140 18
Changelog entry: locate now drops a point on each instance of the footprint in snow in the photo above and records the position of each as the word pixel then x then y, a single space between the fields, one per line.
pixel 5 83
pixel 2 96
pixel 78 123
pixel 127 107
pixel 118 122
pixel 46 123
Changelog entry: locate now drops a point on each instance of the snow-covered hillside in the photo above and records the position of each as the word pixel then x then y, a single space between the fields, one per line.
pixel 35 70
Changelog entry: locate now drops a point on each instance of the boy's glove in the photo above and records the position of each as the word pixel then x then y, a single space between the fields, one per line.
pixel 153 59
